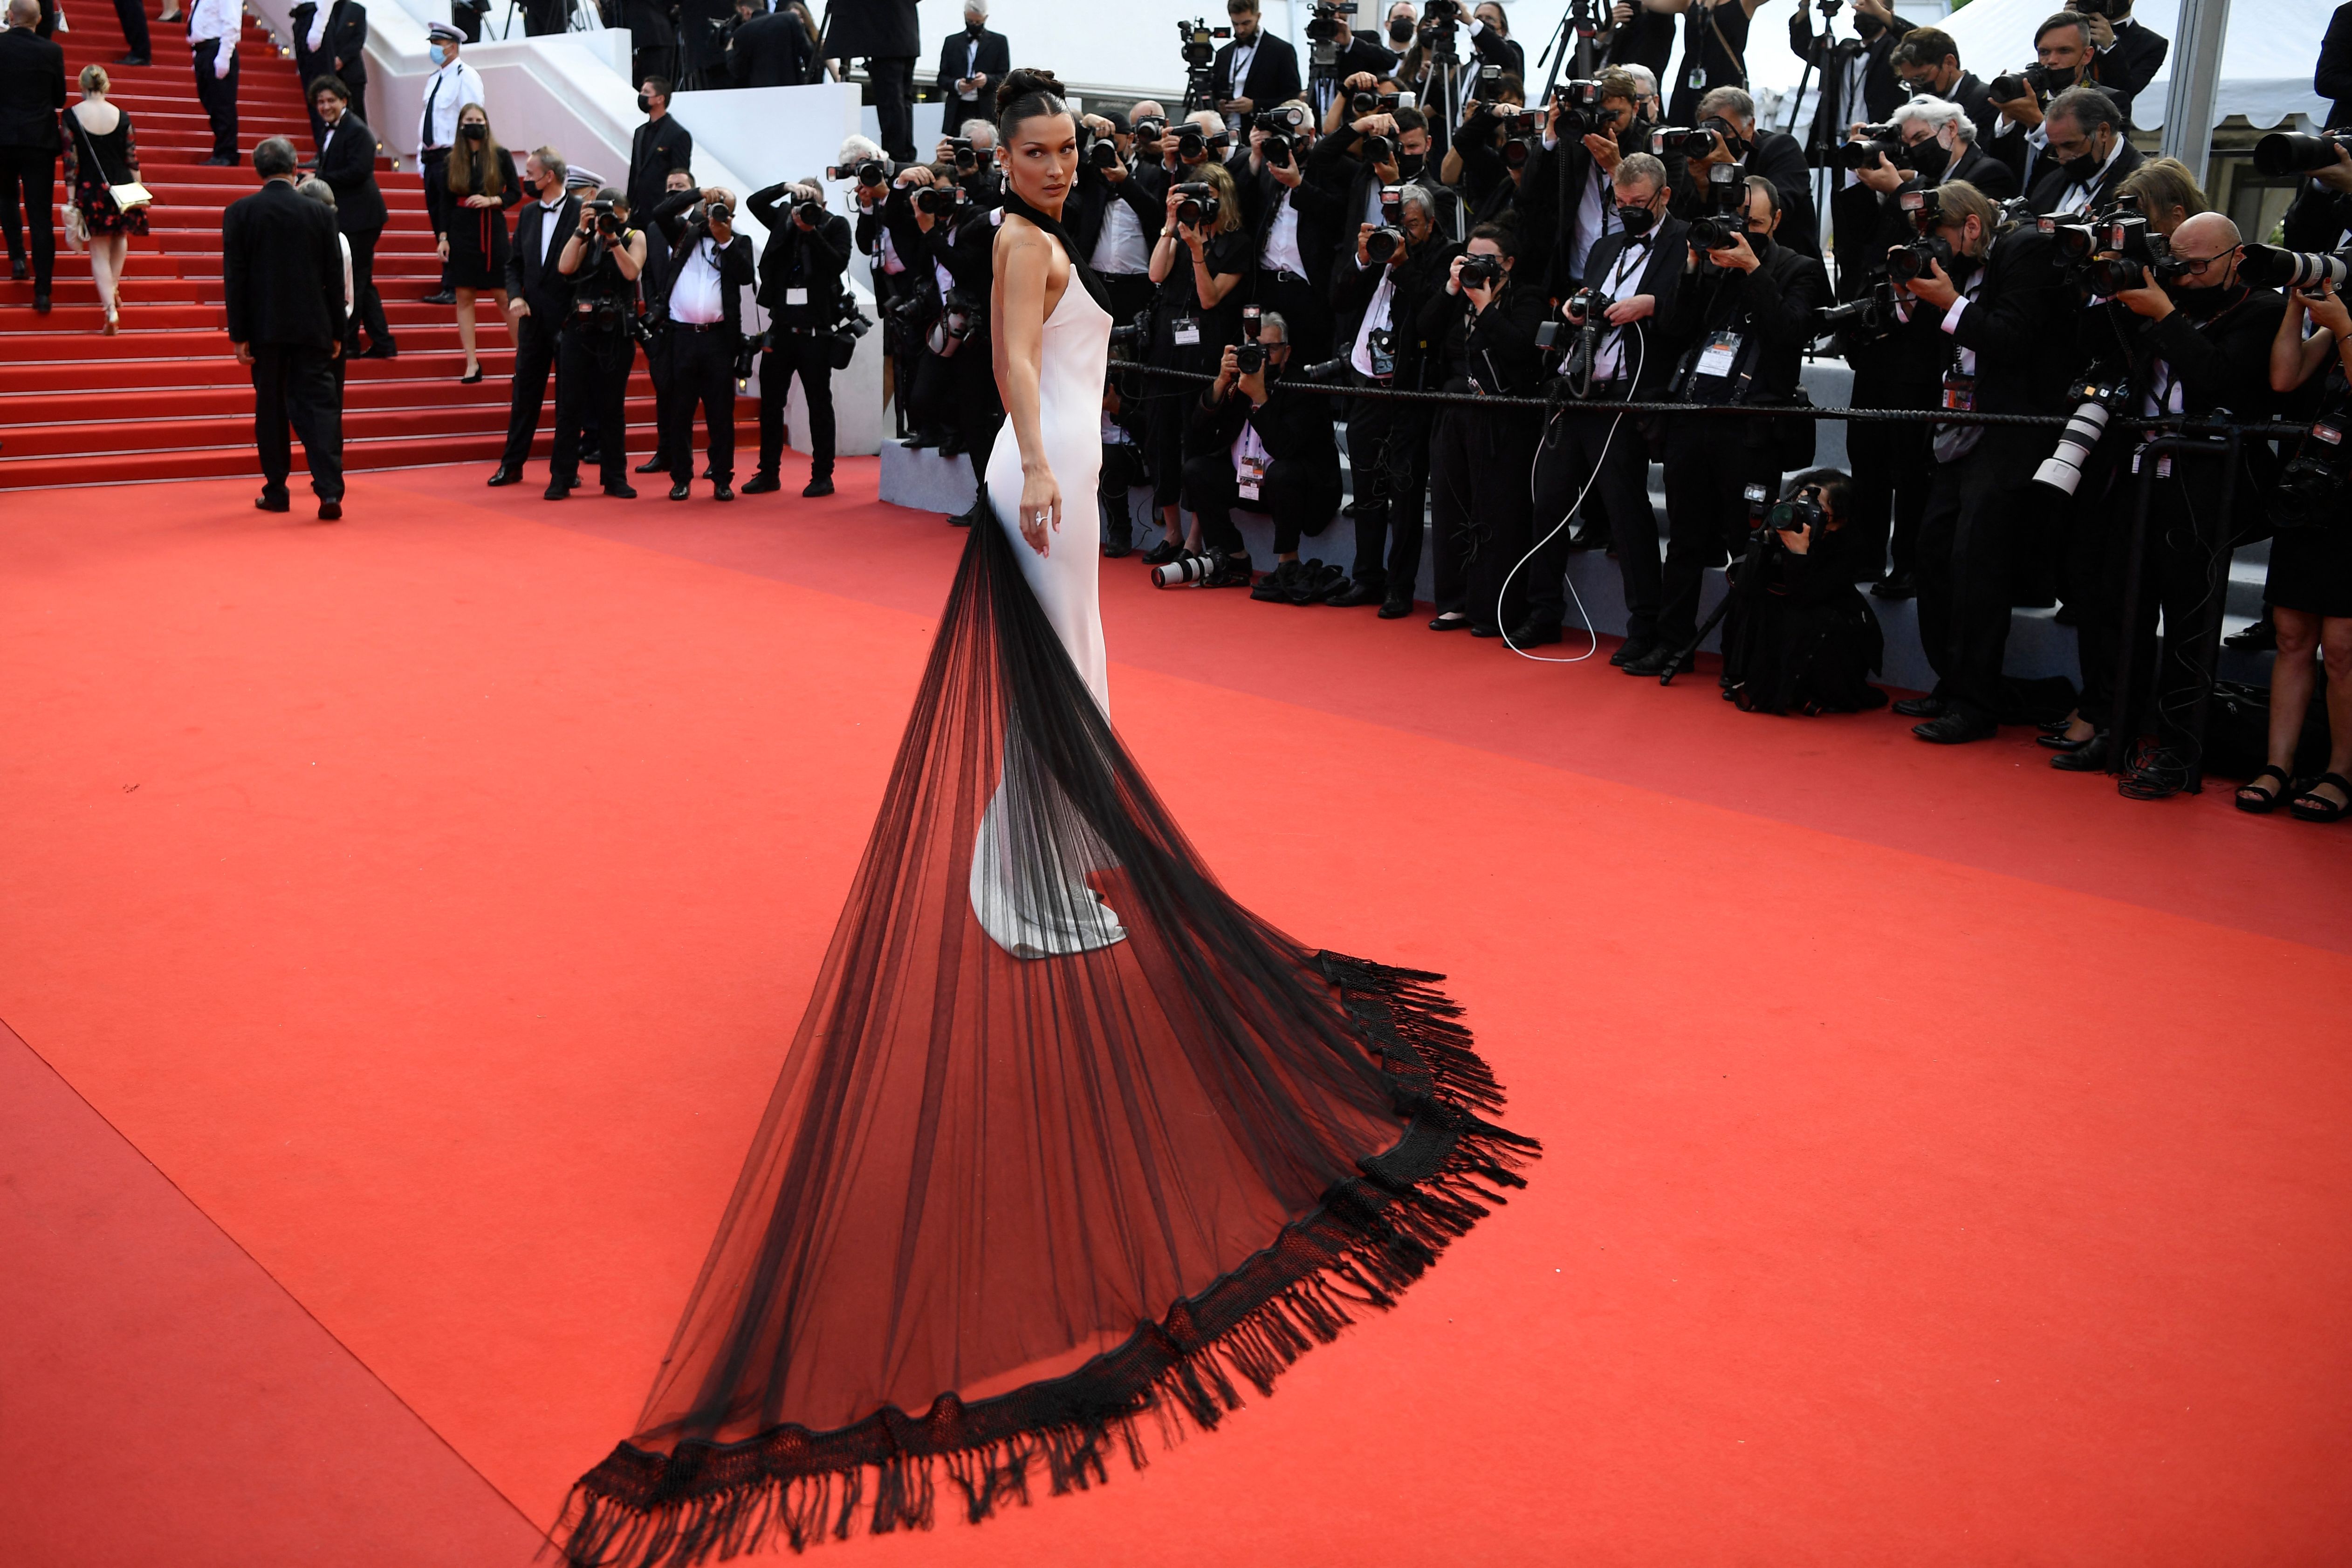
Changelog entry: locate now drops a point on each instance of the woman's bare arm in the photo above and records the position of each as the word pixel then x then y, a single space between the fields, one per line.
pixel 1017 314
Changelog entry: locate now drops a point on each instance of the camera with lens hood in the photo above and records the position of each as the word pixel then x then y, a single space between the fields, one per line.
pixel 1197 205
pixel 2098 396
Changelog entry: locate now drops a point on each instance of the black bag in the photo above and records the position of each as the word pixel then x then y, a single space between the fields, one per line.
pixel 2238 730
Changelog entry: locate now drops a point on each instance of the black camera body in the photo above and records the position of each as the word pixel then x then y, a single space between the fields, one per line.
pixel 939 202
pixel 1193 144
pixel 1587 306
pixel 1480 270
pixel 2312 484
pixel 869 173
pixel 810 210
pixel 1323 19
pixel 2285 152
pixel 1279 152
pixel 1580 108
pixel 1198 206
pixel 1148 131
pixel 1103 153
pixel 2125 244
pixel 1877 142
pixel 964 154
pixel 2011 86
pixel 1200 43
pixel 1860 321
pixel 1906 262
pixel 1799 513
pixel 1725 217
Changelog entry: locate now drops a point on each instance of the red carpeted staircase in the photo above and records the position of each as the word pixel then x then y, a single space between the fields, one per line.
pixel 165 398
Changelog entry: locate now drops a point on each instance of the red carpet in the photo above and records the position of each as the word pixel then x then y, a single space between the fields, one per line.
pixel 1945 1157
pixel 164 398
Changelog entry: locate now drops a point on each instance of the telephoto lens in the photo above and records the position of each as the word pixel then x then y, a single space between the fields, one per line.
pixel 2269 267
pixel 2285 152
pixel 2061 471
pixel 1877 140
pixel 1188 567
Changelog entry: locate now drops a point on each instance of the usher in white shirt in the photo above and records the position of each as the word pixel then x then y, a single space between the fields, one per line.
pixel 446 92
pixel 218 20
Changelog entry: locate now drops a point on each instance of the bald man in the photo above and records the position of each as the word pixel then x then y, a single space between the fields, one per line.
pixel 2200 344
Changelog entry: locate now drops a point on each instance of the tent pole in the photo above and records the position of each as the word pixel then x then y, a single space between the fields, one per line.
pixel 2196 64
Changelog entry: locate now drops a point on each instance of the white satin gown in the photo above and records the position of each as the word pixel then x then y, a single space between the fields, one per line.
pixel 1033 853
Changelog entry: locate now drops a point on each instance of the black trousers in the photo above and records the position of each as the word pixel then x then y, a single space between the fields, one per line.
pixel 893 84
pixel 798 354
pixel 657 369
pixel 1304 309
pixel 1481 509
pixel 297 385
pixel 535 351
pixel 1710 461
pixel 1981 513
pixel 370 304
pixel 132 14
pixel 1579 450
pixel 959 393
pixel 30 177
pixel 1388 462
pixel 1300 497
pixel 218 95
pixel 591 377
pixel 1130 293
pixel 701 377
pixel 2183 555
pixel 433 164
pixel 1893 465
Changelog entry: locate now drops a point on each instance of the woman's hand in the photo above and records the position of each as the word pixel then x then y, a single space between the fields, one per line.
pixel 481 202
pixel 1041 506
pixel 441 245
pixel 2327 309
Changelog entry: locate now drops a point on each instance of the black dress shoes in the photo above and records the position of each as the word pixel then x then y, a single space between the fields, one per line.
pixel 331 511
pixel 1358 592
pixel 621 492
pixel 1895 585
pixel 41 302
pixel 384 348
pixel 1396 608
pixel 558 491
pixel 505 476
pixel 2090 756
pixel 2056 740
pixel 1534 636
pixel 17 270
pixel 1632 648
pixel 1928 706
pixel 1163 552
pixel 679 491
pixel 273 501
pixel 818 485
pixel 1117 549
pixel 1658 660
pixel 720 490
pixel 132 60
pixel 657 464
pixel 1451 623
pixel 438 296
pixel 1956 727
pixel 761 483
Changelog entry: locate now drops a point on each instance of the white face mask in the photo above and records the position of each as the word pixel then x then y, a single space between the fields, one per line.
pixel 439 56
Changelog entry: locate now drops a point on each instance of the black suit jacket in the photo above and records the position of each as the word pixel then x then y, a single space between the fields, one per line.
pixel 348 165
pixel 1775 302
pixel 2051 183
pixel 658 146
pixel 345 40
pixel 995 62
pixel 32 91
pixel 1985 172
pixel 1411 284
pixel 535 282
pixel 1273 74
pixel 1882 90
pixel 1775 157
pixel 2022 309
pixel 768 51
pixel 813 260
pixel 1295 426
pixel 873 29
pixel 734 272
pixel 1318 212
pixel 2121 71
pixel 2223 363
pixel 282 269
pixel 1661 278
pixel 1496 348
pixel 1975 98
pixel 2333 79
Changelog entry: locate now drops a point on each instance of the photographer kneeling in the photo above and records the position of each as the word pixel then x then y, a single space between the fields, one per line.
pixel 1735 330
pixel 604 258
pixel 1799 637
pixel 1263 447
pixel 800 288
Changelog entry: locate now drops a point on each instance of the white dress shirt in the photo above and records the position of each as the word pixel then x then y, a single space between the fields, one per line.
pixel 1596 215
pixel 318 18
pixel 1376 317
pixel 220 21
pixel 2077 198
pixel 446 92
pixel 1120 249
pixel 550 218
pixel 351 295
pixel 694 297
pixel 1623 282
pixel 1281 252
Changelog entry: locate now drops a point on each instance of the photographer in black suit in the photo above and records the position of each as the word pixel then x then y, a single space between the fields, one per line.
pixel 1593 449
pixel 800 288
pixel 538 296
pixel 1117 214
pixel 1856 75
pixel 659 148
pixel 697 314
pixel 282 276
pixel 604 262
pixel 1256 69
pixel 2125 56
pixel 970 65
pixel 1260 447
pixel 887 36
pixel 1927 63
pixel 1736 330
pixel 347 163
pixel 1294 227
pixel 2088 152
pixel 1729 114
pixel 955 380
pixel 32 91
pixel 2007 311
pixel 331 42
pixel 768 48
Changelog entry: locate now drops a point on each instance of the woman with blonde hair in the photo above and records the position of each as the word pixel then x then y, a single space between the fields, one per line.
pixel 99 156
pixel 469 221
pixel 2167 192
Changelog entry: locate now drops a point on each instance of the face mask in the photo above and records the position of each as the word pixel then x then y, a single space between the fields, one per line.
pixel 1929 159
pixel 1635 220
pixel 2061 79
pixel 1409 163
pixel 2084 170
pixel 1758 243
pixel 2201 304
pixel 975 28
pixel 473 132
pixel 1868 27
pixel 437 55
pixel 645 104
pixel 1401 31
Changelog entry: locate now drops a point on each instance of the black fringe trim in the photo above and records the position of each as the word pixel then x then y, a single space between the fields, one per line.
pixel 1371 1237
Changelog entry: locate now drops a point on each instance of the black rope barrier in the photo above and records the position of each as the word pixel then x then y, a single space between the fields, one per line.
pixel 2171 424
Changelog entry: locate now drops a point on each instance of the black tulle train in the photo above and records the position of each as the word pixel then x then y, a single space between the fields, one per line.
pixel 1005 1214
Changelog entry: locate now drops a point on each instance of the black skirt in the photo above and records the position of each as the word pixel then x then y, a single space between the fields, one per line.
pixel 2311 569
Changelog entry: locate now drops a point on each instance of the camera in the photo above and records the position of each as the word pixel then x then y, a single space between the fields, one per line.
pixel 1198 207
pixel 1249 356
pixel 2125 244
pixel 939 202
pixel 1860 321
pixel 1279 152
pixel 2285 152
pixel 1922 204
pixel 2097 396
pixel 1441 13
pixel 608 221
pixel 1200 43
pixel 870 172
pixel 1480 270
pixel 1693 142
pixel 809 210
pixel 1798 513
pixel 1906 262
pixel 1580 111
pixel 965 155
pixel 1379 150
pixel 1193 144
pixel 1518 131
pixel 1323 20
pixel 1877 142
pixel 1586 305
pixel 1148 131
pixel 2269 267
pixel 2011 86
pixel 1103 153
pixel 1185 568
pixel 2310 484
pixel 1725 217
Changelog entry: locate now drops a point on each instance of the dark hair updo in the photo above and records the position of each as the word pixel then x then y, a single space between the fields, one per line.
pixel 1024 93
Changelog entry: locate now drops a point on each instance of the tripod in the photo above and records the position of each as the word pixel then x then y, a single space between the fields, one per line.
pixel 1746 582
pixel 1581 21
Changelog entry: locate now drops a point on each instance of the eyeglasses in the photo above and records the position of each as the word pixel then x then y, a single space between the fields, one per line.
pixel 2194 266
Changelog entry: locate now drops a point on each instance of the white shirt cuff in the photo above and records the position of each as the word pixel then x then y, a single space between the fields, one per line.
pixel 1952 316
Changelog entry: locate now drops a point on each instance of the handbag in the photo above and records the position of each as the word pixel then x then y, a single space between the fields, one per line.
pixel 130 195
pixel 77 228
pixel 128 198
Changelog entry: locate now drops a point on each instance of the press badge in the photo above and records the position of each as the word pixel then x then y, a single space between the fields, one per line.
pixel 2329 433
pixel 795 295
pixel 1961 394
pixel 1698 75
pixel 1249 474
pixel 1185 331
pixel 1721 352
pixel 2163 464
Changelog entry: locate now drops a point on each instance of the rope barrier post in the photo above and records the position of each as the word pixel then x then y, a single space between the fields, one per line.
pixel 2120 713
pixel 2207 648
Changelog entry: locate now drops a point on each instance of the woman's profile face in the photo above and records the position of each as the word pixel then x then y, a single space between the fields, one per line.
pixel 1040 158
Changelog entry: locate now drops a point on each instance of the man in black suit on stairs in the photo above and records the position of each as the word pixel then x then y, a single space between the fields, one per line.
pixel 32 91
pixel 660 145
pixel 887 36
pixel 332 41
pixel 347 163
pixel 1257 70
pixel 537 296
pixel 283 274
pixel 970 65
